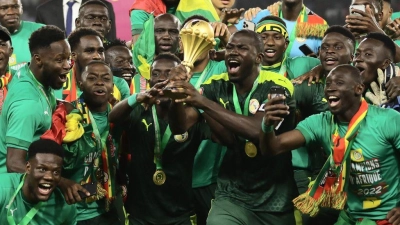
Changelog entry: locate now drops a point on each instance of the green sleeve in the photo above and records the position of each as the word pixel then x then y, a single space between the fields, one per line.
pixel 23 121
pixel 71 216
pixel 392 120
pixel 122 87
pixel 309 128
pixel 300 65
pixel 138 17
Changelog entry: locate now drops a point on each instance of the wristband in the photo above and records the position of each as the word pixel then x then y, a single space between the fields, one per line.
pixel 132 100
pixel 266 129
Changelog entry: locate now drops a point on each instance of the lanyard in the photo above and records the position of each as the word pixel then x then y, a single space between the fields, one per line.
pixel 28 217
pixel 40 86
pixel 236 103
pixel 202 76
pixel 159 144
pixel 292 37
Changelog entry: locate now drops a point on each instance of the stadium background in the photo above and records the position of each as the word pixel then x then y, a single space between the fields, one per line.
pixel 334 11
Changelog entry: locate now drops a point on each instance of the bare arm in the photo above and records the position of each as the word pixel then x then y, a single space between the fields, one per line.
pixel 270 143
pixel 16 160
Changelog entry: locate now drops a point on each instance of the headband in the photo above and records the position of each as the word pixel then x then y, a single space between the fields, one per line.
pixel 272 25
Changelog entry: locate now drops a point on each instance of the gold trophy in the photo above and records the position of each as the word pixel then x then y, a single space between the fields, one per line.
pixel 197 37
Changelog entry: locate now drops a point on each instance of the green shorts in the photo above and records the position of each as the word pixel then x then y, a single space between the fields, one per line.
pixel 225 212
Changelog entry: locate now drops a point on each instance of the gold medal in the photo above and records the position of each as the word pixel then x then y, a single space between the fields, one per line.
pixel 159 177
pixel 250 149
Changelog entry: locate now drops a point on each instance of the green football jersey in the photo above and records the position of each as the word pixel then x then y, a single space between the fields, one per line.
pixel 293 67
pixel 210 154
pixel 172 201
pixel 26 114
pixel 262 183
pixel 20 43
pixel 55 211
pixel 374 171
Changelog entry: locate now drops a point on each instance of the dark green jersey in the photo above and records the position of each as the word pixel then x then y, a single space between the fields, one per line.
pixel 262 183
pixel 172 201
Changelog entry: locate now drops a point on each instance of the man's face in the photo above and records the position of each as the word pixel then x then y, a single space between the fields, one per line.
pixel 275 46
pixel 335 50
pixel 43 173
pixel 160 72
pixel 96 17
pixel 97 84
pixel 370 56
pixel 341 91
pixel 90 48
pixel 240 57
pixel 10 14
pixel 5 52
pixel 220 4
pixel 120 60
pixel 55 63
pixel 166 32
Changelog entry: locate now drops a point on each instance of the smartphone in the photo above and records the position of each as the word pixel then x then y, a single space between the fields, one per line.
pixel 248 25
pixel 277 91
pixel 306 50
pixel 90 187
pixel 359 7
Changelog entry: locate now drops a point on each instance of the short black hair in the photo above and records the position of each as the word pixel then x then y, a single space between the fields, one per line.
pixel 168 56
pixel 258 43
pixel 114 43
pixel 198 17
pixel 388 1
pixel 98 62
pixel 93 2
pixel 75 37
pixel 45 146
pixel 387 42
pixel 343 31
pixel 5 34
pixel 275 18
pixel 354 71
pixel 44 37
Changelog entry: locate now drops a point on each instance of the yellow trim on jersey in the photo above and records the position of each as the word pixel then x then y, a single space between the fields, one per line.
pixel 263 77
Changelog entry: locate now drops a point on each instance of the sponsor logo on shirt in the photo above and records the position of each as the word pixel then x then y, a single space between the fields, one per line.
pixel 223 103
pixel 147 125
pixel 181 137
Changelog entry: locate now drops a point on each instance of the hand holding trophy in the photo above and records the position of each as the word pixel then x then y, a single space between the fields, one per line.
pixel 197 37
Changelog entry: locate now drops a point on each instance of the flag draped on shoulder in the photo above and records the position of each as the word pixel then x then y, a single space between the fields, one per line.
pixel 144 49
pixel 157 7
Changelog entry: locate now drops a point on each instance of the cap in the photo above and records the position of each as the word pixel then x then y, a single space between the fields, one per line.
pixel 5 34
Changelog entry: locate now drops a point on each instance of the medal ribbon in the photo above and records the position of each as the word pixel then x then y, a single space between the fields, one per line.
pixel 159 144
pixel 51 99
pixel 282 65
pixel 303 17
pixel 329 189
pixel 28 217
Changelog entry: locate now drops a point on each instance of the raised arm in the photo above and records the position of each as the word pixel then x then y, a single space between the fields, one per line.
pixel 270 144
pixel 121 111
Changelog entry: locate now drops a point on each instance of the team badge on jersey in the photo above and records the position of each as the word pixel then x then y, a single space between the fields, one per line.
pixel 253 106
pixel 181 137
pixel 356 155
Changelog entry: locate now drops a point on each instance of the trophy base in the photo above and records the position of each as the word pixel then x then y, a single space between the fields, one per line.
pixel 168 93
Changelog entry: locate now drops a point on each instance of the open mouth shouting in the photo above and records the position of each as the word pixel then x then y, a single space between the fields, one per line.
pixel 330 61
pixel 99 92
pixel 45 189
pixel 233 66
pixel 270 53
pixel 63 77
pixel 333 101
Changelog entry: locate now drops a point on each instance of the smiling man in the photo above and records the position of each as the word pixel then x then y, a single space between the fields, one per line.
pixel 361 139
pixel 247 192
pixel 10 17
pixel 30 102
pixel 37 189
pixel 91 156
